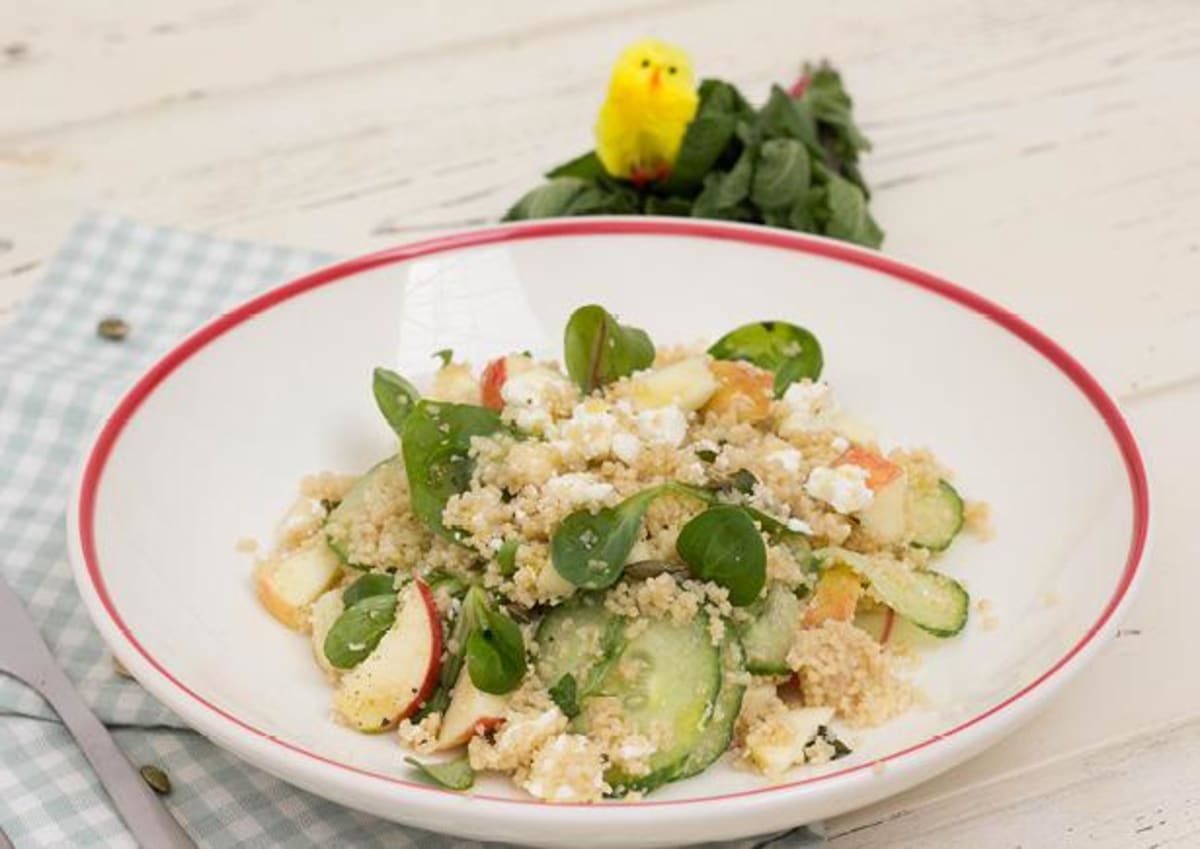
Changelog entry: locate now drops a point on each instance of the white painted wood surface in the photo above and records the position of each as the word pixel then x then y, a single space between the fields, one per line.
pixel 1044 152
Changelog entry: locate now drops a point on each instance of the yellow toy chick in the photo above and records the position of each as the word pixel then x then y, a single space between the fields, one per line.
pixel 651 100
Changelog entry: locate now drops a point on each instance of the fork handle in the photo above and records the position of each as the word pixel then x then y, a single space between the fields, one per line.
pixel 143 812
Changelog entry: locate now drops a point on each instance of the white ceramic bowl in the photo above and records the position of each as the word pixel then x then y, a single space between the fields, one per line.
pixel 207 448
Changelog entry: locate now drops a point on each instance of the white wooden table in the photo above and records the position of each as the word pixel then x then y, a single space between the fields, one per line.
pixel 1044 152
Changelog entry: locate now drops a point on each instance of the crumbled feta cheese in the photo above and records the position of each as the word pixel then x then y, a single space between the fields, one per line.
pixel 807 406
pixel 579 489
pixel 570 768
pixel 626 447
pixel 799 526
pixel 844 487
pixel 663 425
pixel 787 459
pixel 591 429
pixel 840 444
pixel 528 395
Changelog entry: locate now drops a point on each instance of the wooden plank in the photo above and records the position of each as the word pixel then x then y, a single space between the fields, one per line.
pixel 1143 793
pixel 1004 133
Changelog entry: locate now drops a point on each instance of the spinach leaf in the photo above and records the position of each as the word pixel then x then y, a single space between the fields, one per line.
pixel 707 136
pixel 586 166
pixel 565 693
pixel 782 176
pixel 598 350
pixel 370 584
pixel 771 345
pixel 495 649
pixel 451 667
pixel 453 584
pixel 358 630
pixel 846 215
pixel 453 775
pixel 506 557
pixel 565 196
pixel 590 549
pixel 548 200
pixel 783 117
pixel 722 545
pixel 435 442
pixel 724 191
pixel 394 396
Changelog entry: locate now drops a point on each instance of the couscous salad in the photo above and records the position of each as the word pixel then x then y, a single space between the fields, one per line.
pixel 602 576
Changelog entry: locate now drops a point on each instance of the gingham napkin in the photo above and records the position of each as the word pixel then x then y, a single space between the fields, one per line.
pixel 57 380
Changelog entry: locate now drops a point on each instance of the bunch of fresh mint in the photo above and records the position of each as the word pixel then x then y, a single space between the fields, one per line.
pixel 792 163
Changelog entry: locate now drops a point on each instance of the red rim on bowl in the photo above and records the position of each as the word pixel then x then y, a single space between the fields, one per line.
pixel 762 237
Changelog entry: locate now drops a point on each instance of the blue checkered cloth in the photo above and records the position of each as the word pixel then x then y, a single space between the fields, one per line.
pixel 57 380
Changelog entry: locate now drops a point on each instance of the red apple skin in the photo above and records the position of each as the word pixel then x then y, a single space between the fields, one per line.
pixel 438 646
pixel 491 380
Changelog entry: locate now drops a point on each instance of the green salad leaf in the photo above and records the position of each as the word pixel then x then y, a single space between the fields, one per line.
pixel 357 632
pixel 367 585
pixel 506 557
pixel 790 351
pixel 723 545
pixel 395 397
pixel 591 549
pixel 565 693
pixel 495 648
pixel 453 775
pixel 598 350
pixel 435 442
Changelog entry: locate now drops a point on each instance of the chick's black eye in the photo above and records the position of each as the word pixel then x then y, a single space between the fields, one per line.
pixel 645 63
pixel 671 69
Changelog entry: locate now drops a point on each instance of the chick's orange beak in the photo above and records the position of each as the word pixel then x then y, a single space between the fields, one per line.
pixel 656 79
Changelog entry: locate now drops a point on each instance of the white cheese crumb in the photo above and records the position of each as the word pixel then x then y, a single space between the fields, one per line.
pixel 787 459
pixel 591 429
pixel 578 489
pixel 807 406
pixel 528 395
pixel 844 487
pixel 626 447
pixel 799 526
pixel 569 768
pixel 840 444
pixel 663 425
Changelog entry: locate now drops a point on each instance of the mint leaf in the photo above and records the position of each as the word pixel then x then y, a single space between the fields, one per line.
pixel 782 175
pixel 565 693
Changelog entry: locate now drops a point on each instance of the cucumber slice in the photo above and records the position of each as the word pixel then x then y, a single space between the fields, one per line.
pixel 368 492
pixel 930 600
pixel 577 638
pixel 769 636
pixel 936 516
pixel 714 741
pixel 668 675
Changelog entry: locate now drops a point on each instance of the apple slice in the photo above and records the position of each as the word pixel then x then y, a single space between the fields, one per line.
pixel 471 712
pixel 782 742
pixel 688 384
pixel 884 519
pixel 491 382
pixel 743 389
pixel 835 597
pixel 401 672
pixel 287 585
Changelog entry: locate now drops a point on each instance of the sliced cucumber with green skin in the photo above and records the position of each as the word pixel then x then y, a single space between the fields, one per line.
pixel 930 600
pixel 936 516
pixel 341 519
pixel 769 636
pixel 714 741
pixel 577 638
pixel 667 676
